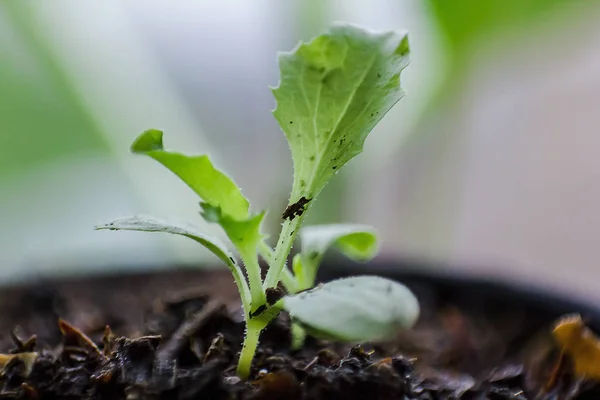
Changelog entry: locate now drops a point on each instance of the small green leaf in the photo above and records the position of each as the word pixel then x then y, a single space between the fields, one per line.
pixel 144 223
pixel 357 309
pixel 357 242
pixel 332 92
pixel 297 267
pixel 242 233
pixel 246 236
pixel 213 186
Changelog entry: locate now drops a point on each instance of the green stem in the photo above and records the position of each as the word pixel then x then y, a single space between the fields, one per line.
pixel 254 326
pixel 284 246
pixel 254 279
pixel 289 280
pixel 298 336
pixel 242 286
pixel 266 252
pixel 253 329
pixel 287 277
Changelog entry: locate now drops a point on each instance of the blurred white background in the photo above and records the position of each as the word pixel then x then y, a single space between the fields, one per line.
pixel 489 163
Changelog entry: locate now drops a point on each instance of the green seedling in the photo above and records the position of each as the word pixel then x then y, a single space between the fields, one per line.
pixel 332 92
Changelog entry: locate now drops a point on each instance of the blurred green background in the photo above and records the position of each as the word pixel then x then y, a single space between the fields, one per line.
pixel 488 163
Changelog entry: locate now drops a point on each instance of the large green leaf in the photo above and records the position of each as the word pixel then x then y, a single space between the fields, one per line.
pixel 332 92
pixel 357 309
pixel 213 186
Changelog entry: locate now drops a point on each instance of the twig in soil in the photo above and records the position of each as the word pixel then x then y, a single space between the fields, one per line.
pixel 216 347
pixel 325 357
pixel 557 369
pixel 74 338
pixel 181 336
pixel 23 346
pixel 108 339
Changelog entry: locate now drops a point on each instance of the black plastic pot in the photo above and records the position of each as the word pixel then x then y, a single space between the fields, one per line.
pixel 435 289
pixel 122 300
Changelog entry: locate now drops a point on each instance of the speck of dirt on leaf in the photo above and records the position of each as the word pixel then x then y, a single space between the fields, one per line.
pixel 295 210
pixel 378 75
pixel 232 260
pixel 334 167
pixel 274 295
pixel 312 158
pixel 291 122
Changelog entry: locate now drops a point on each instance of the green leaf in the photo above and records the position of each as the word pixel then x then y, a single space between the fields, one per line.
pixel 242 233
pixel 357 309
pixel 145 223
pixel 357 242
pixel 213 186
pixel 332 92
pixel 246 237
pixel 151 224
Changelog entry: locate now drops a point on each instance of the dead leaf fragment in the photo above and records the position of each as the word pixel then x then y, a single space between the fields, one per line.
pixel 23 346
pixel 28 359
pixel 29 391
pixel 580 344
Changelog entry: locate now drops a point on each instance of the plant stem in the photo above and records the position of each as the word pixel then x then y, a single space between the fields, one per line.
pixel 298 336
pixel 254 326
pixel 253 329
pixel 254 279
pixel 289 280
pixel 266 252
pixel 284 246
pixel 287 277
pixel 242 286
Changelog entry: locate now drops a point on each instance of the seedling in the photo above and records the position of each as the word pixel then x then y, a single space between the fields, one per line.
pixel 332 92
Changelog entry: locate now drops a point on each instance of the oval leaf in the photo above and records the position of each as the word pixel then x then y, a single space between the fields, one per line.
pixel 212 185
pixel 356 309
pixel 332 92
pixel 357 242
pixel 145 223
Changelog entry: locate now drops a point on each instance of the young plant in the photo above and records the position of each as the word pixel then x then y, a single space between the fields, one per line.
pixel 332 92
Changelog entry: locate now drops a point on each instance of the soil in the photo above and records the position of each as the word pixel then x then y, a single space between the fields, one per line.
pixel 175 335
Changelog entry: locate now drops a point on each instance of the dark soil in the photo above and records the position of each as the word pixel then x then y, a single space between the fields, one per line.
pixel 176 335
